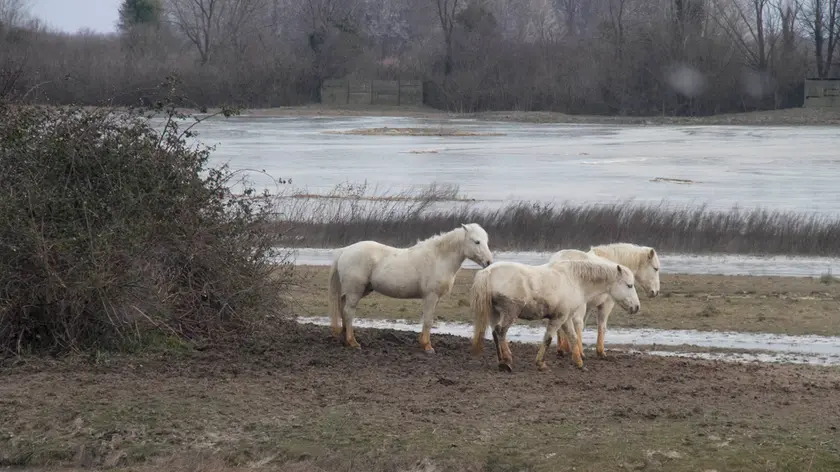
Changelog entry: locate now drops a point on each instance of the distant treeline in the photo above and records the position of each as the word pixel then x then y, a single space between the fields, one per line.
pixel 632 57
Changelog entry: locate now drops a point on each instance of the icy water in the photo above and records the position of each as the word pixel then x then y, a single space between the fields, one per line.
pixel 786 168
pixel 671 263
pixel 753 347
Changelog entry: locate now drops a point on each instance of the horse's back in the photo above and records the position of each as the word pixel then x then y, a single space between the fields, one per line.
pixel 362 256
pixel 569 255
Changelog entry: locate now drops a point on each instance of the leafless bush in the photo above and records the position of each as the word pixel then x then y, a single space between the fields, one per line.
pixel 112 235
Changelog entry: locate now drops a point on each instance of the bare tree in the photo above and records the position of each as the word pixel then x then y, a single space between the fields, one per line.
pixel 750 24
pixel 200 21
pixel 821 18
pixel 213 24
pixel 13 12
pixel 447 11
pixel 577 15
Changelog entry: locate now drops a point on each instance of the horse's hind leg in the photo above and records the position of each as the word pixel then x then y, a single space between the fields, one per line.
pixel 347 314
pixel 429 304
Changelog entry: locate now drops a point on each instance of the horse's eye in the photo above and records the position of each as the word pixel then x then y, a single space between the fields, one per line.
pixel 656 269
pixel 629 285
pixel 477 242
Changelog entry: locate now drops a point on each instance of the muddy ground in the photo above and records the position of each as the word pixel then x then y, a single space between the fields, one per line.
pixel 785 305
pixel 293 399
pixel 296 400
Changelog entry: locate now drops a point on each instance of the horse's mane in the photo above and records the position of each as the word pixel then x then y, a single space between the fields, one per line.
pixel 443 240
pixel 594 271
pixel 627 254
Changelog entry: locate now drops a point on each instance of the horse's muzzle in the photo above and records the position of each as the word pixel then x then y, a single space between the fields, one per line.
pixel 635 309
pixel 653 293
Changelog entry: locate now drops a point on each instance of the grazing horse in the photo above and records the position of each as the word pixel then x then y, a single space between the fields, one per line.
pixel 642 260
pixel 557 291
pixel 426 270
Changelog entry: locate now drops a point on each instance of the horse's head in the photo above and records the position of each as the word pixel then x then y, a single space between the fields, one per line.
pixel 623 290
pixel 648 274
pixel 475 245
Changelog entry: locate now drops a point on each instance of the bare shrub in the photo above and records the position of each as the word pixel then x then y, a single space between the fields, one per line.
pixel 112 234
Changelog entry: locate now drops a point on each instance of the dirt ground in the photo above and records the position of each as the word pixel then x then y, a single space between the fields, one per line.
pixel 791 116
pixel 786 305
pixel 296 400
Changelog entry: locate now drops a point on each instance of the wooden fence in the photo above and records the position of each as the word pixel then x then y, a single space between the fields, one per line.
pixel 372 92
pixel 822 93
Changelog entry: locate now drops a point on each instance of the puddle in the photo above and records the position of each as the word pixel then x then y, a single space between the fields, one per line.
pixel 774 348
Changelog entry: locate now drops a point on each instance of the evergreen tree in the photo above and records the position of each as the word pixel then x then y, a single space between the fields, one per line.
pixel 139 12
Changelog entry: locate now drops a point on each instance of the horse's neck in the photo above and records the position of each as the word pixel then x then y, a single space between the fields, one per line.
pixel 452 260
pixel 449 252
pixel 627 259
pixel 593 289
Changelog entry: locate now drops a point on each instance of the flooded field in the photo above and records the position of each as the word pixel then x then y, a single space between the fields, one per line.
pixel 784 168
pixel 735 264
pixel 750 347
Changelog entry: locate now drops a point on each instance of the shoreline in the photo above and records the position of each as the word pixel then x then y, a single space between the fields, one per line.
pixel 783 117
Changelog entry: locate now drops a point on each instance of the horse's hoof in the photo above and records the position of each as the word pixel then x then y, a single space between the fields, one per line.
pixel 429 350
pixel 602 355
pixel 505 367
pixel 354 345
pixel 582 368
pixel 542 367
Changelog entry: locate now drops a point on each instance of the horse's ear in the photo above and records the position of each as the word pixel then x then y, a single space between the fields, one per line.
pixel 619 269
pixel 464 226
pixel 651 254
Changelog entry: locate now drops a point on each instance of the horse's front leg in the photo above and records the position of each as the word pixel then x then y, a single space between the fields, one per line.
pixel 573 339
pixel 603 314
pixel 554 325
pixel 577 322
pixel 429 305
pixel 562 343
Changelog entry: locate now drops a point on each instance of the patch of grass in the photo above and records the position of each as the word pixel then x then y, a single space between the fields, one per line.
pixel 401 221
pixel 706 302
pixel 828 278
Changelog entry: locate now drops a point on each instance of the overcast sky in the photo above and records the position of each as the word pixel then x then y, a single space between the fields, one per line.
pixel 73 15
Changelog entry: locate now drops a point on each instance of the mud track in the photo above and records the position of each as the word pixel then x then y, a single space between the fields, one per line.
pixel 299 395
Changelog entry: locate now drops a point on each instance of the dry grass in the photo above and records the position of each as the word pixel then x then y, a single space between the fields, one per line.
pixel 345 216
pixel 785 117
pixel 386 131
pixel 783 305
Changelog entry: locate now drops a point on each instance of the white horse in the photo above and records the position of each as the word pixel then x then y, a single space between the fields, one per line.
pixel 557 291
pixel 642 260
pixel 426 270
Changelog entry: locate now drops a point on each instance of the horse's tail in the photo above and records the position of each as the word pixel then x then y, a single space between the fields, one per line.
pixel 334 298
pixel 481 303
